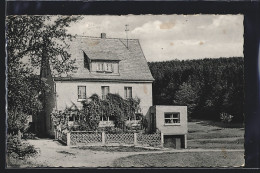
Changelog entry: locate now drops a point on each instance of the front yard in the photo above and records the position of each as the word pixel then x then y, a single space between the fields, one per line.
pixel 187 159
pixel 209 145
pixel 203 136
pixel 208 135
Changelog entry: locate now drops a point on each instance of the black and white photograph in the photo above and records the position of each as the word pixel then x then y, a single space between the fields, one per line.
pixel 122 91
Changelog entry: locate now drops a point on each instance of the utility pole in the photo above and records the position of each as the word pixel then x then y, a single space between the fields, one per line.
pixel 126 31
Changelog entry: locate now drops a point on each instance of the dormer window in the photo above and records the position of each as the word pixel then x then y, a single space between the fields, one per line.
pixel 102 62
pixel 108 67
pixel 105 67
pixel 100 67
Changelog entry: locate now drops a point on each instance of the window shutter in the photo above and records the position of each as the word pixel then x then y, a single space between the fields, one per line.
pixel 103 91
pixel 125 92
pixel 130 92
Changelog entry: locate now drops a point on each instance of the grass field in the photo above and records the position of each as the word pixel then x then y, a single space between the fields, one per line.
pixel 201 135
pixel 207 135
pixel 202 159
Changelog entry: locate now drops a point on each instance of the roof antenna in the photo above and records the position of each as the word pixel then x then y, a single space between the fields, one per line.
pixel 126 30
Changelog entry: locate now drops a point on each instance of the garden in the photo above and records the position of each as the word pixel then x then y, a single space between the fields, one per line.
pixel 104 121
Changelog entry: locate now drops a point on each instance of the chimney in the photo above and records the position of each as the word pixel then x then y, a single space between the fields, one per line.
pixel 103 35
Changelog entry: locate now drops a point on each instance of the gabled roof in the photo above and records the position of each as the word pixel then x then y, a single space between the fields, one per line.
pixel 132 63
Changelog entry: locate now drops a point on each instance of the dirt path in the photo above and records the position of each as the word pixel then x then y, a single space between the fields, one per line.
pixel 54 154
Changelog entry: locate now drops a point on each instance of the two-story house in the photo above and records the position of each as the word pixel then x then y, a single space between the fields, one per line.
pixel 104 65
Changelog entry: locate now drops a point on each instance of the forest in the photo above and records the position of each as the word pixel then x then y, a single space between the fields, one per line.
pixel 209 87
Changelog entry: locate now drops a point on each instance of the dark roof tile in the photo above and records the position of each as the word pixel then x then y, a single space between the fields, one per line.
pixel 132 63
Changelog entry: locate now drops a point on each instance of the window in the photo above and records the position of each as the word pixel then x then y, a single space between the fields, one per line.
pixel 100 67
pixel 104 67
pixel 82 92
pixel 105 91
pixel 104 118
pixel 128 92
pixel 172 118
pixel 112 118
pixel 108 67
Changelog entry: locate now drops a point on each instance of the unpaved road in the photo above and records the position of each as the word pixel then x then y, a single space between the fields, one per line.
pixel 54 154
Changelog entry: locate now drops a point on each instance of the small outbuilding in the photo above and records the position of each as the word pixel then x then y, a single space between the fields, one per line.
pixel 171 121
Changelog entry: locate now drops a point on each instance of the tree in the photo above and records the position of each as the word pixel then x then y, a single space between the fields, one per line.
pixel 186 95
pixel 31 42
pixel 40 38
pixel 218 84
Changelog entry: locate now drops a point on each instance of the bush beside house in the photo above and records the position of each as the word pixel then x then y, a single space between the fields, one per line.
pixel 113 108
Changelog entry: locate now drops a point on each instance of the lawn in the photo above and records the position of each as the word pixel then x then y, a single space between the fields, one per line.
pixel 209 135
pixel 201 135
pixel 203 138
pixel 192 159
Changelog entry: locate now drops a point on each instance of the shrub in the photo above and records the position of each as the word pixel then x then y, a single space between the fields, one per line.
pixel 29 136
pixel 113 130
pixel 144 123
pixel 17 121
pixel 225 117
pixel 17 149
pixel 88 118
pixel 60 119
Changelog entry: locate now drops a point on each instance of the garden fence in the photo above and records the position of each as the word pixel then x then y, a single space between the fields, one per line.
pixel 61 137
pixel 102 138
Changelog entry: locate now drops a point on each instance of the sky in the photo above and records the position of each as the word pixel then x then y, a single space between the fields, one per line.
pixel 168 37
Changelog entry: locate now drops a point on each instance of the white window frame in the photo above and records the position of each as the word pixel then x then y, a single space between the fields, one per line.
pixel 172 118
pixel 108 67
pixel 79 95
pixel 126 90
pixel 103 91
pixel 102 119
pixel 105 67
pixel 100 67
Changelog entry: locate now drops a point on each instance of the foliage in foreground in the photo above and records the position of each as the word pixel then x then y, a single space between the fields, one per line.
pixel 33 41
pixel 17 150
pixel 207 86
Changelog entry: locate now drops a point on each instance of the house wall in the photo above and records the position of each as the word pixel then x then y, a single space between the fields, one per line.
pixel 67 92
pixel 151 115
pixel 173 129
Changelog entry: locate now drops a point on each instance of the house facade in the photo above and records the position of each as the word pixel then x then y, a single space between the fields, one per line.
pixel 104 65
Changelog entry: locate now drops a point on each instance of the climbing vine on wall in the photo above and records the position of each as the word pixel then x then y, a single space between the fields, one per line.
pixel 88 118
pixel 113 106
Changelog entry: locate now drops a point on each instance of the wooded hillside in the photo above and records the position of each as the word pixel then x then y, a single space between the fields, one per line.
pixel 207 86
